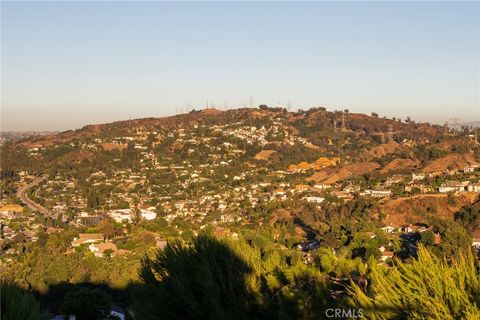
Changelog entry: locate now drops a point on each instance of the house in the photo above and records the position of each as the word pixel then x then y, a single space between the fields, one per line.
pixel 452 186
pixel 474 187
pixel 476 243
pixel 470 169
pixel 413 228
pixel 418 176
pixel 314 199
pixel 389 229
pixel 301 187
pixel 393 179
pixel 387 255
pixel 308 245
pixel 418 185
pixel 351 188
pixel 322 186
pixel 148 214
pixel 99 249
pixel 377 193
pixel 86 238
pixel 121 215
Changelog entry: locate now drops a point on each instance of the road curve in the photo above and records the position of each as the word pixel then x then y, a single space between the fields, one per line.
pixel 22 195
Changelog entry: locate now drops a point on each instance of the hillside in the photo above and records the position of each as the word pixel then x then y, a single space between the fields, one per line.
pixel 315 127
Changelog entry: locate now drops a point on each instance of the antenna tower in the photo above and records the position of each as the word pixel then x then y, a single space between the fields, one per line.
pixel 454 124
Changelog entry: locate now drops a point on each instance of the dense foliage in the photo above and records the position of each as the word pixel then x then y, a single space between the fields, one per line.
pixel 18 304
pixel 427 288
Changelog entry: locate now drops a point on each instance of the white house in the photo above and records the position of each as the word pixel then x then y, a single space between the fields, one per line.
pixel 148 214
pixel 476 243
pixel 121 215
pixel 474 187
pixel 471 168
pixel 452 186
pixel 418 176
pixel 322 186
pixel 377 193
pixel 389 229
pixel 314 199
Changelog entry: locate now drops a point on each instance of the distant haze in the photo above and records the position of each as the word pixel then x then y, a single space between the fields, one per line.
pixel 68 64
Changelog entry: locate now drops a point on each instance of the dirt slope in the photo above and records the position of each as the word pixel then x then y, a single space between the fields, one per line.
pixel 409 210
pixel 332 175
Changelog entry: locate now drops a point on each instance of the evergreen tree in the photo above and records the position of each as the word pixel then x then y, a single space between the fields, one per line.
pixel 427 288
pixel 203 281
pixel 17 304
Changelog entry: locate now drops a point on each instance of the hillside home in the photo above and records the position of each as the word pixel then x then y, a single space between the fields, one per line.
pixel 393 179
pixel 387 255
pixel 418 176
pixel 351 188
pixel 314 199
pixel 418 185
pixel 452 186
pixel 476 243
pixel 121 215
pixel 389 229
pixel 99 249
pixel 148 214
pixel 377 193
pixel 322 186
pixel 84 238
pixel 470 169
pixel 474 187
pixel 301 187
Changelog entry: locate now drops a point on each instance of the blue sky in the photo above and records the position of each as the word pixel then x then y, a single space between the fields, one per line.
pixel 68 64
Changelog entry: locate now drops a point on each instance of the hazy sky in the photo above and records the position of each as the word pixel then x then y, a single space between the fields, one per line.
pixel 68 64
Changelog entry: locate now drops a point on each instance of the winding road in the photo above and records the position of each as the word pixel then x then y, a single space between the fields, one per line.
pixel 23 196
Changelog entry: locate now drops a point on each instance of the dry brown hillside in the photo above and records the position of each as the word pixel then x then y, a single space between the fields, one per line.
pixel 409 210
pixel 450 162
pixel 383 149
pixel 400 165
pixel 332 175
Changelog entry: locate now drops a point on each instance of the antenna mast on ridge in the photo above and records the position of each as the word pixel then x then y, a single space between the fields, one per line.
pixel 454 124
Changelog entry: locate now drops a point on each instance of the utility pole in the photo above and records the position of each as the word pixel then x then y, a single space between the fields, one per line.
pixel 251 102
pixel 343 121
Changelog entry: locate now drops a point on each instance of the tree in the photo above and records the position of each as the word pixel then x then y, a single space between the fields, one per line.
pixel 427 238
pixel 92 199
pixel 427 288
pixel 108 228
pixel 17 304
pixel 203 281
pixel 87 304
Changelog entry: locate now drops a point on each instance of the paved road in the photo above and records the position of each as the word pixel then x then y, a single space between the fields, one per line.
pixel 22 195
